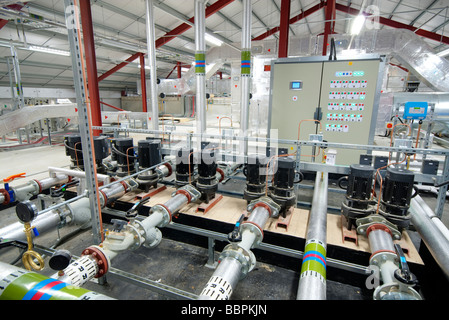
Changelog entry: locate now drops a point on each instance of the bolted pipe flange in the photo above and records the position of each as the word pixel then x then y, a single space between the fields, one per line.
pixel 395 291
pixel 246 258
pixel 148 240
pixel 364 224
pixel 194 193
pixel 167 215
pixel 138 231
pixel 100 258
pixel 266 202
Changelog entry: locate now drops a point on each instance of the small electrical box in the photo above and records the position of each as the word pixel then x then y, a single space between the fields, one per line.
pixel 415 110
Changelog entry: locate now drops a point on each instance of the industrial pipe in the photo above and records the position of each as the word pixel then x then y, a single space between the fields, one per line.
pixel 387 260
pixel 237 260
pixel 151 38
pixel 95 260
pixel 200 65
pixel 78 211
pixel 312 282
pixel 435 241
pixel 20 284
pixel 31 188
pixel 245 74
pixel 418 202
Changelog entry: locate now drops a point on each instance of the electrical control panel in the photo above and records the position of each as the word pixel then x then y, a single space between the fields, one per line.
pixel 342 93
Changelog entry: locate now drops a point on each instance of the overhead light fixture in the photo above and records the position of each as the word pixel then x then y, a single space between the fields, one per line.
pixel 443 53
pixel 213 40
pixel 48 50
pixel 357 24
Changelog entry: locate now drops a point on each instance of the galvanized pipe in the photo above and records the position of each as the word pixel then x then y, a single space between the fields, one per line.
pixel 312 282
pixel 200 65
pixel 435 241
pixel 151 38
pixel 245 85
pixel 43 223
pixel 231 269
pixel 419 203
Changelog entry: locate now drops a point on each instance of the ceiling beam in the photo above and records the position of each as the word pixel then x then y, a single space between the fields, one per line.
pixel 423 12
pixel 329 24
pixel 395 24
pixel 295 19
pixel 210 10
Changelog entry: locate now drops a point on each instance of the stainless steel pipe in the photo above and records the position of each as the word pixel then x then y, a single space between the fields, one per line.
pixel 312 281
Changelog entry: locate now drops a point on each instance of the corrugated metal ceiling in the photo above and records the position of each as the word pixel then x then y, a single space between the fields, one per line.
pixel 124 23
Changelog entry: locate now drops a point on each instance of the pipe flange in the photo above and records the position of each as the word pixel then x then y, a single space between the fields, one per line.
pixel 222 174
pixel 394 291
pixel 167 215
pixel 130 184
pixel 100 258
pixel 364 224
pixel 137 230
pixel 6 196
pixel 254 228
pixel 246 258
pixel 266 202
pixel 37 184
pixel 194 193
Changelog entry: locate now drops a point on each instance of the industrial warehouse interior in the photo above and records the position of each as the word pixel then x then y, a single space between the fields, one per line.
pixel 240 150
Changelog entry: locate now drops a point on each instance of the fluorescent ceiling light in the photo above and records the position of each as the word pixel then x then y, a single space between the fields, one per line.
pixel 357 24
pixel 213 40
pixel 49 50
pixel 146 67
pixel 443 53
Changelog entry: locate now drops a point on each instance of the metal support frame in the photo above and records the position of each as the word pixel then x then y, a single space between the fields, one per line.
pixel 284 29
pixel 395 24
pixel 419 177
pixel 84 119
pixel 91 63
pixel 329 25
pixel 299 17
pixel 143 84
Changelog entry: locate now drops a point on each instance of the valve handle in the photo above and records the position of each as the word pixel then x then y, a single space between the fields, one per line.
pixel 235 235
pixel 132 213
pixel 403 274
pixel 14 176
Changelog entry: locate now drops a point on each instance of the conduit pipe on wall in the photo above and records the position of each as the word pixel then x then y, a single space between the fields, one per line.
pixel 312 281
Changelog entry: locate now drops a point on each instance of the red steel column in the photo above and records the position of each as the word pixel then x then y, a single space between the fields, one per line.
pixel 91 64
pixel 178 65
pixel 329 24
pixel 143 83
pixel 284 29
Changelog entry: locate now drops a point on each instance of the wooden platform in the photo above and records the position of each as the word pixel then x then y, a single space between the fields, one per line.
pixel 229 209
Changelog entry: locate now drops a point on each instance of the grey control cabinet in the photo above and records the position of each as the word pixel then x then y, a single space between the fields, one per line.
pixel 344 93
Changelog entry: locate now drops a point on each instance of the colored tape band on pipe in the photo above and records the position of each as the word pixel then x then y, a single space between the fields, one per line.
pixel 33 286
pixel 246 62
pixel 200 63
pixel 314 258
